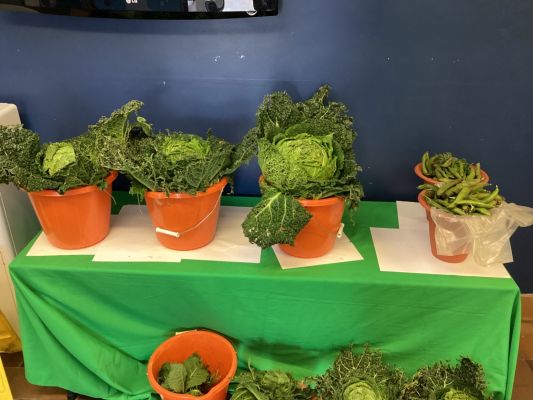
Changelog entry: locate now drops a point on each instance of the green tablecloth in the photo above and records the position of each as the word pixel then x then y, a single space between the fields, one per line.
pixel 89 327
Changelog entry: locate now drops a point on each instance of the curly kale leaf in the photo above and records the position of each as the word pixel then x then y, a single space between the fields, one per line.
pixel 442 381
pixel 355 376
pixel 18 148
pixel 113 135
pixel 269 385
pixel 277 218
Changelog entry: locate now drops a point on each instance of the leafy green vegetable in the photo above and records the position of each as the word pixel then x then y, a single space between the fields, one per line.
pixel 363 376
pixel 57 157
pixel 305 152
pixel 190 377
pixel 269 385
pixel 56 166
pixel 167 161
pixel 278 208
pixel 442 381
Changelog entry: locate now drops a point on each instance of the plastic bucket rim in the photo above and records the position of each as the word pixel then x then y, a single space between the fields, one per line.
pixel 423 201
pixel 225 381
pixel 110 178
pixel 220 185
pixel 326 201
pixel 418 171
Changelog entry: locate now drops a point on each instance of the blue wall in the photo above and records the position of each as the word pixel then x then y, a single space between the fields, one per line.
pixel 449 75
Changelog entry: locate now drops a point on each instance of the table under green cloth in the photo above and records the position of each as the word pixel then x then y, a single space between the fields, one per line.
pixel 90 327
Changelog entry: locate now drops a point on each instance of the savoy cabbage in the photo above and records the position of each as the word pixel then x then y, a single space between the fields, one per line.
pixel 442 381
pixel 360 376
pixel 304 152
pixel 166 161
pixel 60 166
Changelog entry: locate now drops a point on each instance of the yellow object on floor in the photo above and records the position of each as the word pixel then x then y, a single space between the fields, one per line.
pixel 9 341
pixel 5 392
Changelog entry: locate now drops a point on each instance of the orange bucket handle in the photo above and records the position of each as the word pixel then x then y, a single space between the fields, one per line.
pixel 177 234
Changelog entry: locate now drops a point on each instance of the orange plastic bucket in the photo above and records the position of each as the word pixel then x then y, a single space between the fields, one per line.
pixel 76 219
pixel 450 259
pixel 216 352
pixel 184 221
pixel 318 236
pixel 420 174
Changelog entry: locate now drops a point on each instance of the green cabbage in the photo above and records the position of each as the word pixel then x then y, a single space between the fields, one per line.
pixel 443 381
pixel 360 376
pixel 304 152
pixel 58 156
pixel 361 390
pixel 312 158
pixel 457 395
pixel 59 166
pixel 184 148
pixel 167 161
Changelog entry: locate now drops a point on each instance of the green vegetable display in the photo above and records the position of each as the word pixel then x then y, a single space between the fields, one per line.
pixel 304 152
pixel 462 197
pixel 360 376
pixel 269 385
pixel 444 167
pixel 442 381
pixel 166 161
pixel 190 377
pixel 55 166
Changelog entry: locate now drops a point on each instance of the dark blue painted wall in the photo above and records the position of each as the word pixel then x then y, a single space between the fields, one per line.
pixel 449 75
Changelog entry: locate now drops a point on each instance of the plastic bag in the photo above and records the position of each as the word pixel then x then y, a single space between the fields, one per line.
pixel 486 238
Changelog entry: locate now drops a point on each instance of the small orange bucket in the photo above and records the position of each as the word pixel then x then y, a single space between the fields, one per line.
pixel 420 174
pixel 184 221
pixel 76 219
pixel 216 352
pixel 319 235
pixel 450 259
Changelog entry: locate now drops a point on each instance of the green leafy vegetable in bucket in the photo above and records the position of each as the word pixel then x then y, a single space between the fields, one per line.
pixel 167 161
pixel 190 377
pixel 305 152
pixel 60 166
pixel 360 376
pixel 442 381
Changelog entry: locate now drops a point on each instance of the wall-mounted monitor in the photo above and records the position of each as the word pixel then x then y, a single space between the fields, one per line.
pixel 148 9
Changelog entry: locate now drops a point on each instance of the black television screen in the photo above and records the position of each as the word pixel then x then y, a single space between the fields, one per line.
pixel 155 9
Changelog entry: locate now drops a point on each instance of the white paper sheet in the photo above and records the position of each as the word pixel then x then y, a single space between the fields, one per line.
pixel 132 238
pixel 411 215
pixel 42 247
pixel 343 251
pixel 408 249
